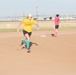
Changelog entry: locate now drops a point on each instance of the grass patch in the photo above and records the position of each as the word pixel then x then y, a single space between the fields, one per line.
pixel 67 28
pixel 8 30
pixel 40 29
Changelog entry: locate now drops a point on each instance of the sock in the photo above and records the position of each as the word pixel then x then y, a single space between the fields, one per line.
pixel 54 31
pixel 23 41
pixel 27 44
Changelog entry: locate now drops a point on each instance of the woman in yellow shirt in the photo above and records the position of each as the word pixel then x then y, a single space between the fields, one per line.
pixel 27 29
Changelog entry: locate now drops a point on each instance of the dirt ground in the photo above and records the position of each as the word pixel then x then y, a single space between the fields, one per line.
pixel 52 56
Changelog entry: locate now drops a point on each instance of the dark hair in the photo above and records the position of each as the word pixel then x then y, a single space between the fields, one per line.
pixel 57 15
pixel 50 18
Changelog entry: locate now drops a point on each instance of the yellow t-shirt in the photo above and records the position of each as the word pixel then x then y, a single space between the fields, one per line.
pixel 28 24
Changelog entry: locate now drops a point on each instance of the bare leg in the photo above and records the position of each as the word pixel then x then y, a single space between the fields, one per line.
pixel 55 32
pixel 27 37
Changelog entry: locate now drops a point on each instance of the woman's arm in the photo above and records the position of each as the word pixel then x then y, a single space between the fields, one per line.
pixel 19 27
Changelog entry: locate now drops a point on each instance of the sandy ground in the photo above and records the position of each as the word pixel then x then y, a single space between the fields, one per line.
pixel 52 56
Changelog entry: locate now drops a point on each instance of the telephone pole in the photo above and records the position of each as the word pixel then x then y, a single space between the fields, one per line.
pixel 36 9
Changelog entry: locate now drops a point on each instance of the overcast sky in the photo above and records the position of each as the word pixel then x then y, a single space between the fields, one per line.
pixel 46 7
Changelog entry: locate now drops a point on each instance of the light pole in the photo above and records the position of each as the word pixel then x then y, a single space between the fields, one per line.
pixel 36 9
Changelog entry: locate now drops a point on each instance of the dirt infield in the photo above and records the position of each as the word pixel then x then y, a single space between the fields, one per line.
pixel 52 56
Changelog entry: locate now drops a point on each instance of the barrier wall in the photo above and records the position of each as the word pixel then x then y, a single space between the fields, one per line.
pixel 45 24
